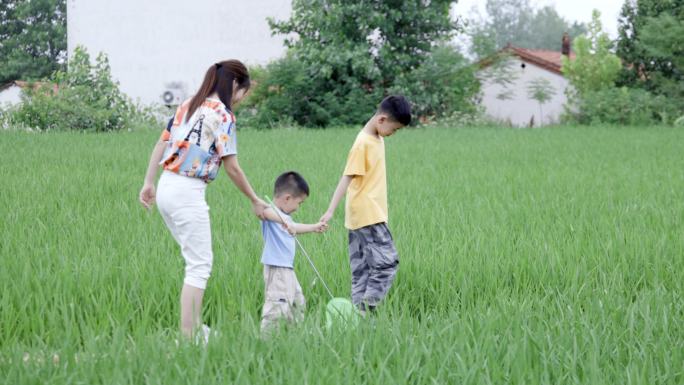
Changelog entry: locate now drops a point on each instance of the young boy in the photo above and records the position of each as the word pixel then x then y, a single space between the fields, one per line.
pixel 283 295
pixel 372 255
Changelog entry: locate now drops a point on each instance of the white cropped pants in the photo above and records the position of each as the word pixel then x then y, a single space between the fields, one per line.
pixel 182 205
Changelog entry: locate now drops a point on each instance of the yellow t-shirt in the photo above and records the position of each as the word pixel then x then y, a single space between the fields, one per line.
pixel 366 202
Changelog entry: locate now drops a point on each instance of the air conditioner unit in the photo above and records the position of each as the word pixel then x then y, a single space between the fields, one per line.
pixel 172 96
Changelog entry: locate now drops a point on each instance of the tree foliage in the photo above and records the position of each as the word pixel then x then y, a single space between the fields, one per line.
pixel 624 106
pixel 444 83
pixel 663 40
pixel 595 70
pixel 650 45
pixel 343 57
pixel 541 90
pixel 518 23
pixel 32 38
pixel 595 67
pixel 82 98
pixel 503 72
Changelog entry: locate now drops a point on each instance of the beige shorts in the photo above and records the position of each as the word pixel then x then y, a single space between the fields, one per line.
pixel 284 300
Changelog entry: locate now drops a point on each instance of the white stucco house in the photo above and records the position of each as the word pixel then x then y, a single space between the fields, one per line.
pixel 10 93
pixel 159 50
pixel 505 90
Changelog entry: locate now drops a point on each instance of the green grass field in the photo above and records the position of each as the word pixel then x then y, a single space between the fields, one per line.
pixel 544 256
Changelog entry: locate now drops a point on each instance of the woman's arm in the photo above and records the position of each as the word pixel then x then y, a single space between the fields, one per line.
pixel 235 173
pixel 148 193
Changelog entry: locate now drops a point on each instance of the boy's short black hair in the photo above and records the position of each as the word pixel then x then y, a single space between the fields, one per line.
pixel 291 182
pixel 397 107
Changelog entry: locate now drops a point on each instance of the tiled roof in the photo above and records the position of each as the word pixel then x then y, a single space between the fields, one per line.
pixel 549 60
pixel 33 85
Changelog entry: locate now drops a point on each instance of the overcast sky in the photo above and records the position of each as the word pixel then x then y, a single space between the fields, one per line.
pixel 572 10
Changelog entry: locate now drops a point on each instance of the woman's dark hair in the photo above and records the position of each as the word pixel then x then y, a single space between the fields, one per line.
pixel 219 78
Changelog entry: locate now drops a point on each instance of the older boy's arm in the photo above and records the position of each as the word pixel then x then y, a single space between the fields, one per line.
pixel 337 196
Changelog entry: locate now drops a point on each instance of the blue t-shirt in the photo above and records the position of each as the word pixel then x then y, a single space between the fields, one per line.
pixel 279 245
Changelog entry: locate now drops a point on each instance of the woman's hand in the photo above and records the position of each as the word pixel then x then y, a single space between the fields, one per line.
pixel 258 206
pixel 147 195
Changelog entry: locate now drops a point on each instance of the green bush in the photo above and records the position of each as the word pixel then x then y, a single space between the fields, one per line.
pixel 286 92
pixel 443 85
pixel 344 57
pixel 624 106
pixel 82 98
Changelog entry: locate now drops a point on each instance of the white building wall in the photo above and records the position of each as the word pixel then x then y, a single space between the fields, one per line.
pixel 520 109
pixel 155 45
pixel 10 96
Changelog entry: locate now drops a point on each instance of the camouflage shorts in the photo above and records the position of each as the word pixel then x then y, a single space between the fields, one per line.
pixel 374 261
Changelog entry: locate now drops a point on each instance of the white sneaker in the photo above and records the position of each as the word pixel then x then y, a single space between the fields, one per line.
pixel 202 336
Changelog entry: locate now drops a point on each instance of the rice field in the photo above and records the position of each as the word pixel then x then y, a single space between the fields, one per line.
pixel 540 256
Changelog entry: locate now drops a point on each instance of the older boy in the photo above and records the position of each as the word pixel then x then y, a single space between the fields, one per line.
pixel 372 255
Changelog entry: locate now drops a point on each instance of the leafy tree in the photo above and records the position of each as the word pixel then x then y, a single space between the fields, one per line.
pixel 508 21
pixel 82 98
pixel 547 28
pixel 541 90
pixel 444 83
pixel 350 54
pixel 595 67
pixel 32 38
pixel 662 38
pixel 650 46
pixel 502 73
pixel 639 17
pixel 518 23
pixel 281 97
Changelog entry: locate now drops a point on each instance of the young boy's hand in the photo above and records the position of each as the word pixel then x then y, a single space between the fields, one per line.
pixel 321 227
